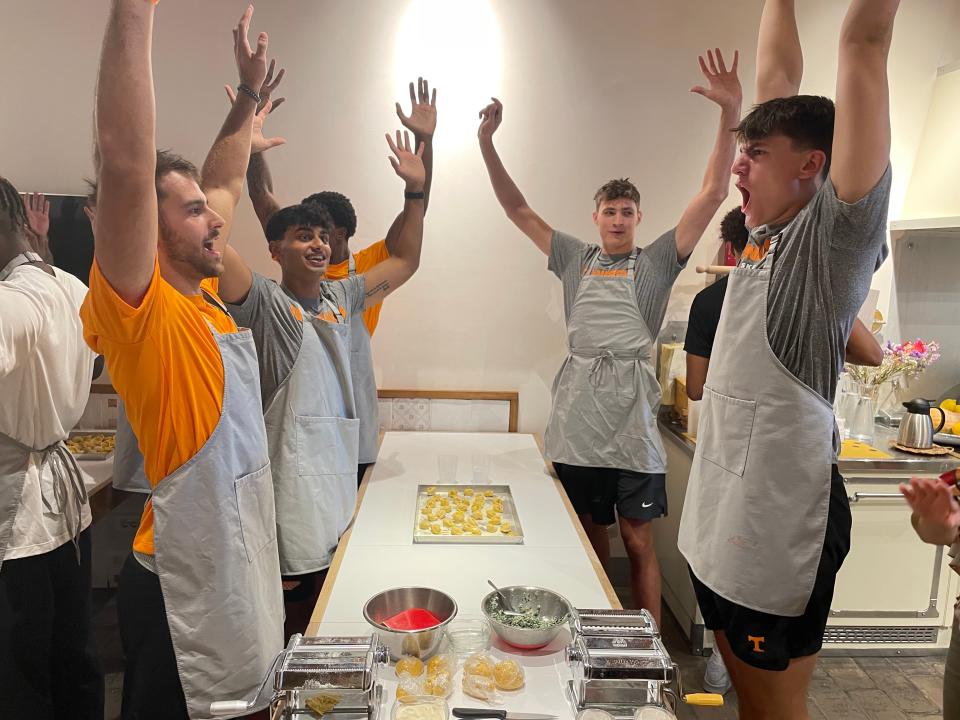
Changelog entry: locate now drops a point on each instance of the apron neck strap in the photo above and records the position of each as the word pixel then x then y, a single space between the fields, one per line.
pixel 209 297
pixel 631 262
pixel 351 265
pixel 24 258
pixel 333 307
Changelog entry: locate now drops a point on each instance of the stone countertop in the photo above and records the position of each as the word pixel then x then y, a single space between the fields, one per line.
pixel 900 462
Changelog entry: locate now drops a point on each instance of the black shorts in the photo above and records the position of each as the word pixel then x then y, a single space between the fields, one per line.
pixel 770 642
pixel 597 491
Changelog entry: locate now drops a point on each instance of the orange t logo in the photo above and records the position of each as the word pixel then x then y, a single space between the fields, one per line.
pixel 757 643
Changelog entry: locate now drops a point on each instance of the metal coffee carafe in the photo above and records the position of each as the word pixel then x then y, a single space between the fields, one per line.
pixel 916 427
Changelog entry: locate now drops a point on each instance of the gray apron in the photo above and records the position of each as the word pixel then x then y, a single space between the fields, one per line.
pixel 313 435
pixel 216 546
pixel 364 383
pixel 69 492
pixel 128 474
pixel 755 513
pixel 606 395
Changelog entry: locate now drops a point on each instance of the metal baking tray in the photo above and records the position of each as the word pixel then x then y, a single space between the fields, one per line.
pixel 446 535
pixel 92 456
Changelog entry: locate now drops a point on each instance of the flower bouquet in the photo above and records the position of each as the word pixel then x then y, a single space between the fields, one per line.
pixel 901 362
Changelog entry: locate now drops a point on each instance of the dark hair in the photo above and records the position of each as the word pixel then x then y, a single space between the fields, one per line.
pixel 302 215
pixel 339 207
pixel 733 229
pixel 13 215
pixel 616 189
pixel 806 119
pixel 167 162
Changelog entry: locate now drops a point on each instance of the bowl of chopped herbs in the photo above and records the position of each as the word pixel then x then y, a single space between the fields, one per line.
pixel 531 617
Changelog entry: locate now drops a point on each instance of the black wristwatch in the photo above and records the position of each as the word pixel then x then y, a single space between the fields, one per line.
pixel 414 195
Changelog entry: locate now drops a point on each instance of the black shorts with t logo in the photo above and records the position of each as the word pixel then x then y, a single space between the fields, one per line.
pixel 596 491
pixel 770 642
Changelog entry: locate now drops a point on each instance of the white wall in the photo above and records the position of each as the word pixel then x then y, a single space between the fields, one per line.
pixel 592 90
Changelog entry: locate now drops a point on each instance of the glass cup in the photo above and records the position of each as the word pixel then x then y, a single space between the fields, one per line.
pixel 481 469
pixel 447 469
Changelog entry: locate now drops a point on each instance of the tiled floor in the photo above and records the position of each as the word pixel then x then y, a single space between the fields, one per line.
pixel 843 688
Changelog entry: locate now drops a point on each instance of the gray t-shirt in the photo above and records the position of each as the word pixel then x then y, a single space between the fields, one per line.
pixel 822 268
pixel 656 270
pixel 273 317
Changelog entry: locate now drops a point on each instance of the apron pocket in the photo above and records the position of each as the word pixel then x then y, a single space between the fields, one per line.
pixel 730 421
pixel 258 522
pixel 327 445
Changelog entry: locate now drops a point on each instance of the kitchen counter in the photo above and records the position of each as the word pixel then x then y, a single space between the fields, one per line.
pixel 900 462
pixel 894 594
pixel 378 552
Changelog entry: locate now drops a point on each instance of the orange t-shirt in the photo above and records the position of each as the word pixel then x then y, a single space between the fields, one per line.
pixel 166 365
pixel 364 260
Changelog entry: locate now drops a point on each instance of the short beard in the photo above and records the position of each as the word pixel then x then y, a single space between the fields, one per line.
pixel 187 258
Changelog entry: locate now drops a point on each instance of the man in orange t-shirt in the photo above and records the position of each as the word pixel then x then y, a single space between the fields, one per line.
pixel 199 601
pixel 422 121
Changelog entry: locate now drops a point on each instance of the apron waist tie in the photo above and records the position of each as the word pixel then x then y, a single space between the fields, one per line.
pixel 603 357
pixel 60 490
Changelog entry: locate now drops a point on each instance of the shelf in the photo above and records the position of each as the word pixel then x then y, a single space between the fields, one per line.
pixel 925 227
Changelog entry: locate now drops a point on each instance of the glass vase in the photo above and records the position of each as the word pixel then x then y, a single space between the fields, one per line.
pixel 863 422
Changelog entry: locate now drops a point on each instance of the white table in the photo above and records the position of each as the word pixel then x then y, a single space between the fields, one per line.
pixel 378 552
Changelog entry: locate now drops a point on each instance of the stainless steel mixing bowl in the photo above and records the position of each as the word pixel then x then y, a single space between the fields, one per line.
pixel 419 643
pixel 521 598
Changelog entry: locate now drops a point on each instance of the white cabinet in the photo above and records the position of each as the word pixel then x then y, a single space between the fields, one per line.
pixel 893 589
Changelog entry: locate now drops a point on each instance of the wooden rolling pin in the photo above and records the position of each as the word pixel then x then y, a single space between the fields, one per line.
pixel 714 269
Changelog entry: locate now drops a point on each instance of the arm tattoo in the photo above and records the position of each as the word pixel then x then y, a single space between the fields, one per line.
pixel 382 287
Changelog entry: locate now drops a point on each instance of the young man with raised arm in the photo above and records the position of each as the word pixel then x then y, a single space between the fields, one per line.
pixel 200 604
pixel 302 328
pixel 602 434
pixel 422 122
pixel 766 524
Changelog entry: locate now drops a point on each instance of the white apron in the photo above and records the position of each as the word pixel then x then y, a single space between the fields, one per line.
pixel 216 546
pixel 606 395
pixel 313 436
pixel 755 513
pixel 364 383
pixel 128 474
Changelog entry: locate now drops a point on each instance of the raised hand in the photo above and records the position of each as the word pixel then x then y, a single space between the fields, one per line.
pixel 258 142
pixel 252 65
pixel 407 164
pixel 723 86
pixel 269 85
pixel 422 121
pixel 490 118
pixel 938 513
pixel 37 208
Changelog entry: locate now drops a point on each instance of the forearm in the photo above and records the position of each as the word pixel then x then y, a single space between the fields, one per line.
pixel 869 24
pixel 715 188
pixel 226 163
pixel 716 179
pixel 260 188
pixel 408 241
pixel 125 109
pixel 427 158
pixel 862 347
pixel 507 192
pixel 779 55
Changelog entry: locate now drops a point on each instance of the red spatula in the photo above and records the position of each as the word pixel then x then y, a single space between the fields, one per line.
pixel 412 619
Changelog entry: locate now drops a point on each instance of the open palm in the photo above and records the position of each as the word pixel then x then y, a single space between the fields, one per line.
pixel 723 85
pixel 422 120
